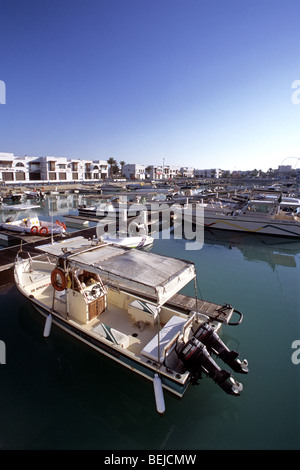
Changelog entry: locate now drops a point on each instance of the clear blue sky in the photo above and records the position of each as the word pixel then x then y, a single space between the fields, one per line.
pixel 202 83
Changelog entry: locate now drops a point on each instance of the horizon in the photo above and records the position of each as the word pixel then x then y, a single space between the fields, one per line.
pixel 206 84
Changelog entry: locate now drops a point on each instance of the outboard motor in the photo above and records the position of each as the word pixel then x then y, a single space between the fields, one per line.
pixel 212 341
pixel 197 359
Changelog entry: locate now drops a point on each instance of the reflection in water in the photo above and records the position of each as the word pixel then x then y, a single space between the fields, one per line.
pixel 276 251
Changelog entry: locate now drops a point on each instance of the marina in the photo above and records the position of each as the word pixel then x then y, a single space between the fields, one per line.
pixel 150 228
pixel 230 266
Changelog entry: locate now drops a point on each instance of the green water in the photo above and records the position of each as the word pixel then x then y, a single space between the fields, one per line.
pixel 58 394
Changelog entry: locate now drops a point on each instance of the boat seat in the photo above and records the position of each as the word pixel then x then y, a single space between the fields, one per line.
pixel 143 311
pixel 166 335
pixel 111 334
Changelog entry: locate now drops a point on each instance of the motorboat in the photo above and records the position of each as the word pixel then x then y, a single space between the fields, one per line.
pixel 18 207
pixel 125 304
pixel 263 216
pixel 12 197
pixel 141 241
pixel 113 208
pixel 34 194
pixel 34 226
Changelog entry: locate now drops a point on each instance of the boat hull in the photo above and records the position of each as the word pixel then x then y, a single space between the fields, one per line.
pixel 244 224
pixel 116 355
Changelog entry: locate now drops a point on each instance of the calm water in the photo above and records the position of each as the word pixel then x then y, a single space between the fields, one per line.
pixel 58 394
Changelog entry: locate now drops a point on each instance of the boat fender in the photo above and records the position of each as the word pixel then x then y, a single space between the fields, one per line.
pixel 58 279
pixel 48 325
pixel 158 393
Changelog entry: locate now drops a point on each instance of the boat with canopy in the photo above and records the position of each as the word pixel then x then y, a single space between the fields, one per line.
pixel 126 304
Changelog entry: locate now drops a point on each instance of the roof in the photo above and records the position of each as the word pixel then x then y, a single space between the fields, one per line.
pixel 145 272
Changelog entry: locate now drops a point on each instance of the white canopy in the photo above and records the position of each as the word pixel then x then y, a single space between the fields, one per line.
pixel 145 272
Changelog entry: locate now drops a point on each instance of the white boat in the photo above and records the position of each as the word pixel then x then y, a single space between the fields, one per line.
pixel 125 304
pixel 76 221
pixel 262 216
pixel 34 225
pixel 111 209
pixel 34 194
pixel 18 207
pixel 141 241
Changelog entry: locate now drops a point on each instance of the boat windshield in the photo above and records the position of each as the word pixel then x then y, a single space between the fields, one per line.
pixel 262 208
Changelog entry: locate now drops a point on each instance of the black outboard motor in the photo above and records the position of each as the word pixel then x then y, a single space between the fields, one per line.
pixel 197 359
pixel 212 341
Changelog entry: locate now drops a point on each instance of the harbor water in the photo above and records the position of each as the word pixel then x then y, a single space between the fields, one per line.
pixel 56 393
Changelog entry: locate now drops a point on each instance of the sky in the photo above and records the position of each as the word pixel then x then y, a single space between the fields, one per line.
pixel 200 83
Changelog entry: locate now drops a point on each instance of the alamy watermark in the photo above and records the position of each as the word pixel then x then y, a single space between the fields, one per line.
pixel 187 221
pixel 2 353
pixel 296 354
pixel 296 94
pixel 2 92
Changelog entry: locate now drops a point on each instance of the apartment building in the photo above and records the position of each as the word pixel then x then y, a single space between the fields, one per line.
pixel 50 169
pixel 134 171
pixel 211 173
pixel 150 172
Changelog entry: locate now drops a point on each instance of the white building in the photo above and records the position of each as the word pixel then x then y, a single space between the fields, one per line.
pixel 134 171
pixel 50 169
pixel 162 172
pixel 187 171
pixel 284 168
pixel 211 173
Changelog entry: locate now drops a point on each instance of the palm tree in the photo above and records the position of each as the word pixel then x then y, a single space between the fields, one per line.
pixel 111 161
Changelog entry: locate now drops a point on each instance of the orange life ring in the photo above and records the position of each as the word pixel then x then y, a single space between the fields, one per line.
pixel 34 230
pixel 58 279
pixel 44 231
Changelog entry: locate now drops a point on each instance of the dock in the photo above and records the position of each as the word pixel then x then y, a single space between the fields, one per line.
pixel 29 243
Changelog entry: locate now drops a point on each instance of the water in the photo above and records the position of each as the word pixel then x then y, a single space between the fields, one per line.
pixel 58 394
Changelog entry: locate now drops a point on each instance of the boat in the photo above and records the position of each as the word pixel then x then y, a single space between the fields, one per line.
pixel 125 304
pixel 140 241
pixel 262 216
pixel 12 197
pixel 18 207
pixel 112 208
pixel 34 194
pixel 34 226
pixel 76 221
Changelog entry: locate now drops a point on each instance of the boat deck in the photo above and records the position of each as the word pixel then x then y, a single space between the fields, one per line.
pixel 139 333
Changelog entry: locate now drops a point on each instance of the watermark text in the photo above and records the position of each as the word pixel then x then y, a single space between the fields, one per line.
pixel 2 92
pixel 296 94
pixel 187 221
pixel 296 354
pixel 2 352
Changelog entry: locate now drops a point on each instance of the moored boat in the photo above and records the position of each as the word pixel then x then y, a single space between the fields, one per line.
pixel 34 226
pixel 125 304
pixel 262 216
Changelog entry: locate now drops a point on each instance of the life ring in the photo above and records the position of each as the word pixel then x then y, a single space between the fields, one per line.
pixel 34 230
pixel 58 279
pixel 44 231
